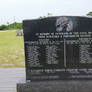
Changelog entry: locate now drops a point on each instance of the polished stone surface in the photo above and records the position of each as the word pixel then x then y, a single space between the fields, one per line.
pixel 56 86
pixel 58 48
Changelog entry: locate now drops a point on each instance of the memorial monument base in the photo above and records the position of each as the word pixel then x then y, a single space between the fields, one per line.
pixel 56 86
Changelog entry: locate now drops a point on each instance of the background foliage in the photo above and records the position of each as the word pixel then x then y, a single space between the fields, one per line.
pixel 12 26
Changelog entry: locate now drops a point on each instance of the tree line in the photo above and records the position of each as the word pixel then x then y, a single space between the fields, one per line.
pixel 14 25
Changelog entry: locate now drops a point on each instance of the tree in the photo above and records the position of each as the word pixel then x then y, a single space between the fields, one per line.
pixel 89 14
pixel 3 27
pixel 48 15
pixel 14 25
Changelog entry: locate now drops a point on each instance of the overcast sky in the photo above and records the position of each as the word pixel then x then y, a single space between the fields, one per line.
pixel 29 9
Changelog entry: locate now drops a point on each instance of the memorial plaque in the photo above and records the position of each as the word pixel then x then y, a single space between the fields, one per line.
pixel 58 48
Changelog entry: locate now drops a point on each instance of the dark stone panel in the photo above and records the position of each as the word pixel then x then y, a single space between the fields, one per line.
pixel 56 86
pixel 58 48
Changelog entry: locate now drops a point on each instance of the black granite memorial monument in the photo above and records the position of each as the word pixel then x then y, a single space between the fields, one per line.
pixel 58 54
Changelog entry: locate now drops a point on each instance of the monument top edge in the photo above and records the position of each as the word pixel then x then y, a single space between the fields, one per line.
pixel 57 17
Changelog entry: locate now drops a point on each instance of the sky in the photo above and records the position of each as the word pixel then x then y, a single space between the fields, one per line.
pixel 19 10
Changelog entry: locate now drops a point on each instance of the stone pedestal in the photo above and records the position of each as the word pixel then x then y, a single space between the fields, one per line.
pixel 56 86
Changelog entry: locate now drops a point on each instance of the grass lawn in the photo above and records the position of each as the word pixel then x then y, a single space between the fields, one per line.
pixel 11 49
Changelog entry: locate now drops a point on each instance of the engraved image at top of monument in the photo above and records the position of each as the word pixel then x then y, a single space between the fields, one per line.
pixel 64 24
pixel 58 48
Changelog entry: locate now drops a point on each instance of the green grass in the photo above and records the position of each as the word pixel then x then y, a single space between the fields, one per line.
pixel 11 49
